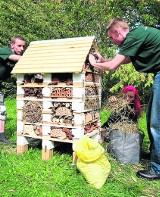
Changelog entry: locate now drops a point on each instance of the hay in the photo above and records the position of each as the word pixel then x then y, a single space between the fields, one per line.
pixel 125 127
pixel 120 113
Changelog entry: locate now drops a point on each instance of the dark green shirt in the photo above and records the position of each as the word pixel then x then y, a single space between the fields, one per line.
pixel 142 45
pixel 6 65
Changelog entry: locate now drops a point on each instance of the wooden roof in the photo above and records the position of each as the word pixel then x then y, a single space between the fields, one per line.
pixel 55 56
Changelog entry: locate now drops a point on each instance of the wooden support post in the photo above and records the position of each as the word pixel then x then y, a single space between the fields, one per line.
pixel 74 161
pixel 47 149
pixel 102 135
pixel 47 154
pixel 22 144
pixel 22 148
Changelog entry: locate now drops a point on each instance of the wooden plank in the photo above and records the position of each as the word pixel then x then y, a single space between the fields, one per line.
pixel 60 140
pixel 61 44
pixel 22 98
pixel 93 84
pixel 47 111
pixel 35 85
pixel 92 133
pixel 64 52
pixel 48 138
pixel 51 61
pixel 43 67
pixel 64 41
pixel 45 84
pixel 70 57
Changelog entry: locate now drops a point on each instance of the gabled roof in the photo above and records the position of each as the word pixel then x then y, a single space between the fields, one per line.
pixel 55 56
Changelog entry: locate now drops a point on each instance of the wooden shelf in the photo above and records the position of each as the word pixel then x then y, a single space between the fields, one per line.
pixel 57 139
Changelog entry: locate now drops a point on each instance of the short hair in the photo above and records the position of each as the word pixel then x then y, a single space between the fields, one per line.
pixel 117 22
pixel 13 39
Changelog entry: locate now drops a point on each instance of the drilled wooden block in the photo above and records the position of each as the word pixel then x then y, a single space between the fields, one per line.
pixel 61 92
pixel 90 77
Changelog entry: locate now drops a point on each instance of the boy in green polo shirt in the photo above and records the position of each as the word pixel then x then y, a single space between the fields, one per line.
pixel 9 55
pixel 141 46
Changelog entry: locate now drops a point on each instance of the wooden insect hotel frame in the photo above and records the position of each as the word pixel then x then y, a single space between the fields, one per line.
pixel 58 93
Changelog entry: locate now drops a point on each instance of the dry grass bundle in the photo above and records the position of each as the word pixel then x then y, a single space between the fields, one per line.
pixel 125 126
pixel 120 116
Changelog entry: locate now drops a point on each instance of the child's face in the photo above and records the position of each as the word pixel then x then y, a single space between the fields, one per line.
pixel 129 96
pixel 18 46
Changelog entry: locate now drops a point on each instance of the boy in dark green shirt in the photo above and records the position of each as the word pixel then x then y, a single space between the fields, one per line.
pixel 6 65
pixel 8 58
pixel 141 46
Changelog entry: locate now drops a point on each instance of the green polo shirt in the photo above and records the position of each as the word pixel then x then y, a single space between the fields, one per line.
pixel 6 65
pixel 142 45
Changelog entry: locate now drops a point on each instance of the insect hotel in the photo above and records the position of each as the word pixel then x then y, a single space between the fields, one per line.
pixel 58 93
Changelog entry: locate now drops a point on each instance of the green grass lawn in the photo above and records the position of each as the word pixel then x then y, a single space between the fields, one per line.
pixel 27 175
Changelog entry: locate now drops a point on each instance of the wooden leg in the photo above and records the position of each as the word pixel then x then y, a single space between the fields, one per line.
pixel 102 135
pixel 74 161
pixel 22 148
pixel 47 154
